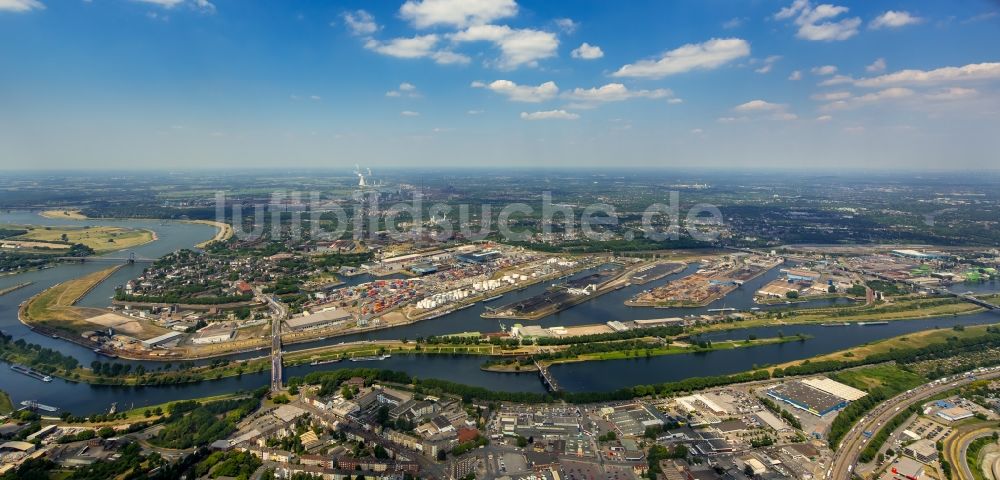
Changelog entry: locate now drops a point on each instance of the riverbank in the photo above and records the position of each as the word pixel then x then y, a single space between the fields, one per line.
pixel 674 348
pixel 902 310
pixel 14 288
pixel 224 232
pixel 54 310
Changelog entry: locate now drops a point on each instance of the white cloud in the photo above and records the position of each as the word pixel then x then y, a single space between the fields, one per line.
pixel 447 57
pixel 549 115
pixel 981 17
pixel 522 93
pixel 759 106
pixel 456 13
pixel 567 25
pixel 204 6
pixel 517 46
pixel 796 75
pixel 818 23
pixel 675 101
pixel 831 96
pixel 587 51
pixel 888 94
pixel 405 89
pixel 824 118
pixel 409 113
pixel 730 119
pixel 824 70
pixel 894 19
pixel 857 129
pixel 408 47
pixel 768 64
pixel 475 112
pixel 975 71
pixel 735 22
pixel 360 23
pixel 315 98
pixel 612 92
pixel 20 6
pixel 877 66
pixel 420 46
pixel 761 109
pixel 693 56
pixel 162 3
pixel 953 93
pixel 697 131
pixel 836 80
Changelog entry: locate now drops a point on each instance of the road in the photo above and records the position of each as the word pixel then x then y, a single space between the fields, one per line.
pixel 851 445
pixel 956 448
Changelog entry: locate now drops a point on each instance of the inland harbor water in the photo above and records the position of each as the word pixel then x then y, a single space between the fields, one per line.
pixel 82 398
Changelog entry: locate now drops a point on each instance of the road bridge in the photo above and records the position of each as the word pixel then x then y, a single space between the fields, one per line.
pixel 547 379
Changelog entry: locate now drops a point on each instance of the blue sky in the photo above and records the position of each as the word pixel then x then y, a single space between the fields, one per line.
pixel 700 83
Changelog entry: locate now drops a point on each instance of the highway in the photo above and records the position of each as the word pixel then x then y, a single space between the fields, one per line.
pixel 851 445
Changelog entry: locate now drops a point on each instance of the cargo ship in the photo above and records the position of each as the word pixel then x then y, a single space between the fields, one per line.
pixel 106 354
pixel 495 297
pixel 371 358
pixel 33 405
pixel 865 324
pixel 840 324
pixel 30 372
pixel 324 362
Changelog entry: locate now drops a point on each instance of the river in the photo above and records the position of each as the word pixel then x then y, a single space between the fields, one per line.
pixel 83 398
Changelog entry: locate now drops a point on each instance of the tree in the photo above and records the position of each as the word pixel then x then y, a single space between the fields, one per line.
pixel 792 294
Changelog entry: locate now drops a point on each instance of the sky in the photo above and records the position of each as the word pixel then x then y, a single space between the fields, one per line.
pixel 725 84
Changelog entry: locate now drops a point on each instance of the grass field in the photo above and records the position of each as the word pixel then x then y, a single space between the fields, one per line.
pixel 102 239
pixel 876 376
pixel 905 309
pixel 908 341
pixel 69 214
pixel 54 308
pixel 6 406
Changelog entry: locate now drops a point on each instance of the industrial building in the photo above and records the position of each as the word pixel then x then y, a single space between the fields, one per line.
pixel 923 451
pixel 213 335
pixel 162 340
pixel 318 319
pixel 835 388
pixel 804 397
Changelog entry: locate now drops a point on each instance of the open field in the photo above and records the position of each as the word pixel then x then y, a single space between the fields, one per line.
pixel 868 378
pixel 70 214
pixel 54 309
pixel 101 238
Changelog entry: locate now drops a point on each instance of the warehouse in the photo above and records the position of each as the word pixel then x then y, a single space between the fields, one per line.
pixel 213 335
pixel 804 397
pixel 835 388
pixel 318 319
pixel 162 340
